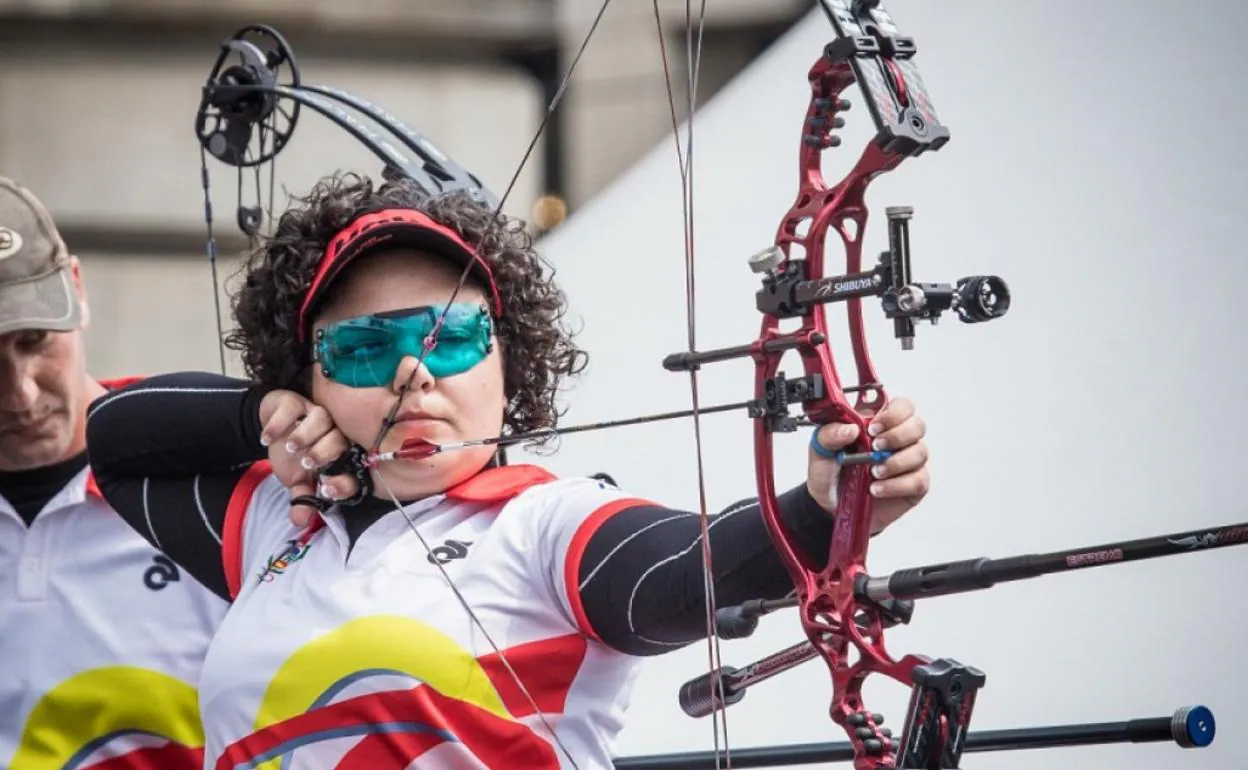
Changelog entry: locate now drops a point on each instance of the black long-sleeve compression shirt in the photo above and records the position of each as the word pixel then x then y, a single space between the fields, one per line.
pixel 168 451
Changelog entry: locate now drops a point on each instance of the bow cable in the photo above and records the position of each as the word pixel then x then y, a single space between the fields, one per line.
pixel 693 61
pixel 249 218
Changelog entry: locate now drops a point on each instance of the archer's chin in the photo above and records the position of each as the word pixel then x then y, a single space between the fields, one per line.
pixel 412 479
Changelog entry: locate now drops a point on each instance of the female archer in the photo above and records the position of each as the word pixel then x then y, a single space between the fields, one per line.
pixel 450 610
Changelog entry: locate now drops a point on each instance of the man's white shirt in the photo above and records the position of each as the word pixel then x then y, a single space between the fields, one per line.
pixel 101 642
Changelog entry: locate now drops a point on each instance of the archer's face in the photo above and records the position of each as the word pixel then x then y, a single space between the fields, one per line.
pixel 42 398
pixel 465 406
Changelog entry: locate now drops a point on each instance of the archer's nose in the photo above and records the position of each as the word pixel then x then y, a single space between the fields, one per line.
pixel 19 390
pixel 421 378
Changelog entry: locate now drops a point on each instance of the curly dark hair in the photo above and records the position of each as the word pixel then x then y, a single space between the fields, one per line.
pixel 538 352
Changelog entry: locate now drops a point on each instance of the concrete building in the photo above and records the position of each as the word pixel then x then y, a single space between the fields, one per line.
pixel 97 105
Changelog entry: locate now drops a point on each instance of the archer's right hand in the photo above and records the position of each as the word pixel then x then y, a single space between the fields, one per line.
pixel 301 437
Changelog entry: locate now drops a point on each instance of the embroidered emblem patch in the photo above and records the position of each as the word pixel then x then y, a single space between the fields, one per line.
pixel 293 552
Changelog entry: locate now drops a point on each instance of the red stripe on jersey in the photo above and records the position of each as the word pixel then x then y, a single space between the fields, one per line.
pixel 576 550
pixel 171 756
pixel 235 518
pixel 117 383
pixel 547 669
pixel 413 721
pixel 497 484
pixel 93 488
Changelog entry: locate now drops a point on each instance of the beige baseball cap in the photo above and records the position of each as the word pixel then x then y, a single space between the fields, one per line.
pixel 35 287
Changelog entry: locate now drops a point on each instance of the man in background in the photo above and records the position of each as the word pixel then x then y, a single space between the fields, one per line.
pixel 101 637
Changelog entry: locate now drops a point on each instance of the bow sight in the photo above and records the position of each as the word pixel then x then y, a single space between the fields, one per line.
pixel 787 293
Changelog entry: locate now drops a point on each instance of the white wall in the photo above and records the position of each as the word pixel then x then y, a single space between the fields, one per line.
pixel 1097 164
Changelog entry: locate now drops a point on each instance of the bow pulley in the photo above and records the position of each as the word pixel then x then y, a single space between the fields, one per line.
pixel 241 96
pixel 244 120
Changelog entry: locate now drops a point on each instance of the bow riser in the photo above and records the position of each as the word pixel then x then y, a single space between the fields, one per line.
pixel 825 591
pixel 832 615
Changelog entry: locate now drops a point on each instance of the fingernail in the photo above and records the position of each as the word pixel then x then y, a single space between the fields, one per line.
pixel 265 441
pixel 328 491
pixel 307 463
pixel 845 431
pixel 877 490
pixel 877 471
pixel 879 444
pixel 875 429
pixel 292 447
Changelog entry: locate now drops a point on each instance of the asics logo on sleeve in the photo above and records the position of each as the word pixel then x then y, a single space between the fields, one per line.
pixel 162 572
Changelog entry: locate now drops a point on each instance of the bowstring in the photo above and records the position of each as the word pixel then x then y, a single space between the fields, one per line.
pixel 693 63
pixel 463 600
pixel 431 339
pixel 213 250
pixel 213 253
pixel 684 160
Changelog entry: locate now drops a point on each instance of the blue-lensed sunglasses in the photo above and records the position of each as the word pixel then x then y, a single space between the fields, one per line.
pixel 365 352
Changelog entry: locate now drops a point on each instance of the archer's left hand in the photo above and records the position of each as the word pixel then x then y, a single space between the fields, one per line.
pixel 900 482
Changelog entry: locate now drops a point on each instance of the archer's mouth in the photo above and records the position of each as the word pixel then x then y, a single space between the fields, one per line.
pixel 420 427
pixel 29 429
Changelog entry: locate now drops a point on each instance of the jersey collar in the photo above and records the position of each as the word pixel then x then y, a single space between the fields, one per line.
pixel 497 484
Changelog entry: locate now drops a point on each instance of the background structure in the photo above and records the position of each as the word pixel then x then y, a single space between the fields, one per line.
pixel 97 106
pixel 1095 163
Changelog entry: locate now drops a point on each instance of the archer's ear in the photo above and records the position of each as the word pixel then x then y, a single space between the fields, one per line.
pixel 80 289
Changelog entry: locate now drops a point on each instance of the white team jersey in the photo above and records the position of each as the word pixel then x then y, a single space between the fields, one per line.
pixel 101 642
pixel 364 658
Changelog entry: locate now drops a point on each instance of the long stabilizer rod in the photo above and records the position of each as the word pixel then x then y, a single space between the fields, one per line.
pixel 1189 727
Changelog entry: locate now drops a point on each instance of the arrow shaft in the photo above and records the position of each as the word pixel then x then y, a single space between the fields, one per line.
pixel 426 449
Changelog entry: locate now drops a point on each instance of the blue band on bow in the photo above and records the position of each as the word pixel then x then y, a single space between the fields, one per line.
pixel 821 450
pixel 847 458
